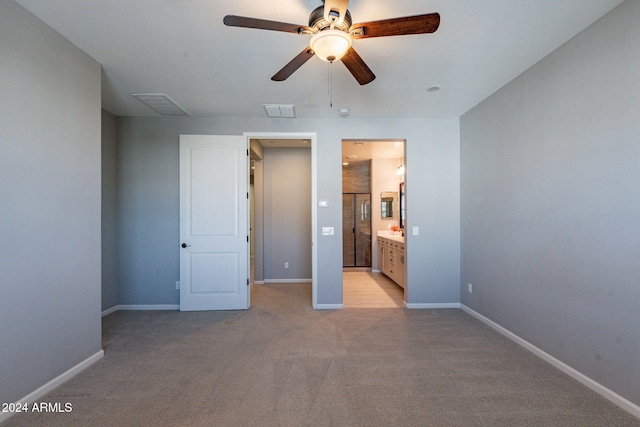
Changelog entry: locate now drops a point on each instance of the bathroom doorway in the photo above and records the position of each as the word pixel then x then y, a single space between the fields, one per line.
pixel 372 171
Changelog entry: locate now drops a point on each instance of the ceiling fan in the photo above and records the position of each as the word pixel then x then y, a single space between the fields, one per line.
pixel 332 32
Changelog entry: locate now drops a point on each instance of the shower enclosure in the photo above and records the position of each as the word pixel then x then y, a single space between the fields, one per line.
pixel 356 229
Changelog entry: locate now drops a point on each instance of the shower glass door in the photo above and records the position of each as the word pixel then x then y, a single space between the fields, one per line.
pixel 356 230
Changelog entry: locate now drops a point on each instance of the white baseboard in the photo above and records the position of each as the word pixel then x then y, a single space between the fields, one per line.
pixel 258 282
pixel 432 305
pixel 610 395
pixel 328 306
pixel 142 307
pixel 57 381
pixel 108 311
pixel 286 281
pixel 149 307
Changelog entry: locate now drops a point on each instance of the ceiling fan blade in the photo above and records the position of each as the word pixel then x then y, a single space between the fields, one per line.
pixel 293 65
pixel 357 67
pixel 263 24
pixel 418 24
pixel 335 10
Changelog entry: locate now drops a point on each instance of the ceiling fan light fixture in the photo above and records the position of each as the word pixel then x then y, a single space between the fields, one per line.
pixel 330 45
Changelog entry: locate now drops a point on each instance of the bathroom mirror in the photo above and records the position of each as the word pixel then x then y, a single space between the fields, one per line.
pixel 402 205
pixel 389 201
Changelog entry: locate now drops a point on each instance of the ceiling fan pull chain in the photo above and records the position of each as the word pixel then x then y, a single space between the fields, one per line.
pixel 330 71
pixel 329 90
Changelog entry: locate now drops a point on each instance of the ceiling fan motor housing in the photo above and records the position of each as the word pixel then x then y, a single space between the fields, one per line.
pixel 318 23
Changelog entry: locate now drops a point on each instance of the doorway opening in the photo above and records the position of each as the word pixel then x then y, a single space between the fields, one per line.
pixel 282 208
pixel 372 173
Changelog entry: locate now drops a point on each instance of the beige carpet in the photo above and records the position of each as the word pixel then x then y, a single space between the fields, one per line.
pixel 283 364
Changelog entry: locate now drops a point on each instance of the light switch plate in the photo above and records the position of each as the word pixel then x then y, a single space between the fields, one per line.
pixel 323 204
pixel 416 230
pixel 327 231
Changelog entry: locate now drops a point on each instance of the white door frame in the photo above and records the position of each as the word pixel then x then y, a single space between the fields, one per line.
pixel 312 136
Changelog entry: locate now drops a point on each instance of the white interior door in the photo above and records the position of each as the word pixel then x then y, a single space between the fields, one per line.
pixel 214 252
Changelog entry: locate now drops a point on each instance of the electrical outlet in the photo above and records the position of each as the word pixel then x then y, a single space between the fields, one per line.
pixel 286 265
pixel 470 288
pixel 178 284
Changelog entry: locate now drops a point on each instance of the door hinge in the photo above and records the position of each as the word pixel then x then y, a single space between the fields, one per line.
pixel 247 195
pixel 247 151
pixel 247 239
pixel 247 282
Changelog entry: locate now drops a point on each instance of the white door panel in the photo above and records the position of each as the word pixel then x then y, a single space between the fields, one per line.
pixel 214 267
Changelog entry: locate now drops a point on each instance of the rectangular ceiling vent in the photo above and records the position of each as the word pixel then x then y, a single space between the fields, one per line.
pixel 280 110
pixel 161 103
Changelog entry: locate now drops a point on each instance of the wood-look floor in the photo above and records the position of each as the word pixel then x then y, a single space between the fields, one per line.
pixel 364 289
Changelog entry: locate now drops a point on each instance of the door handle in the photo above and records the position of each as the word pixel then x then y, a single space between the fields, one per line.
pixel 184 245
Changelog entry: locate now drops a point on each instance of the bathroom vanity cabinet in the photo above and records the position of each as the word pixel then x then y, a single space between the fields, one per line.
pixel 391 258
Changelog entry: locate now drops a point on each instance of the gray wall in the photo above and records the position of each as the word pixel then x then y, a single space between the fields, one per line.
pixel 50 204
pixel 287 213
pixel 148 202
pixel 551 203
pixel 109 211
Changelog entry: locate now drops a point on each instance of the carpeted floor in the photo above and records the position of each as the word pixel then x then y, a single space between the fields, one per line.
pixel 283 364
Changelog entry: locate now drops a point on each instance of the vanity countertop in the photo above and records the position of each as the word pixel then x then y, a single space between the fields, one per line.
pixel 392 235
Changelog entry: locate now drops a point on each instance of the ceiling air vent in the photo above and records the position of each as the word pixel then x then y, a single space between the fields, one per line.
pixel 280 110
pixel 161 103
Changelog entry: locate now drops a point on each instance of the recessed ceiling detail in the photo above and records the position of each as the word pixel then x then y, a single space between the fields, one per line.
pixel 161 103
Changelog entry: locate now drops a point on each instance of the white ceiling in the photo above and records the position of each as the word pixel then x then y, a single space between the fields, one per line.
pixel 366 150
pixel 182 48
